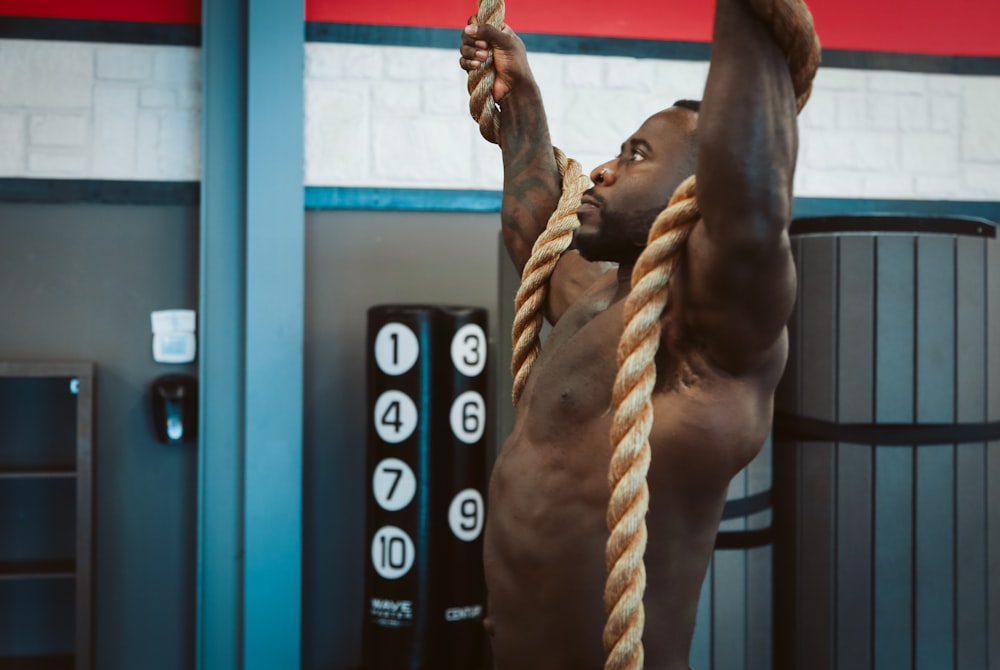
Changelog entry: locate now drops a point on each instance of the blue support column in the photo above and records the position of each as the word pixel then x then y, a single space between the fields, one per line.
pixel 220 336
pixel 275 257
pixel 250 336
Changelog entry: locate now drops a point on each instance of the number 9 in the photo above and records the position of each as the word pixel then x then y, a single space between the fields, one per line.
pixel 465 515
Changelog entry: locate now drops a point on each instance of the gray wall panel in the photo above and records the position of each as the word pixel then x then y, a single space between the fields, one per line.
pixel 817 460
pixel 970 460
pixel 729 590
pixel 79 282
pixel 934 506
pixel 895 323
pixel 916 534
pixel 993 464
pixel 760 610
pixel 894 467
pixel 855 365
pixel 701 643
pixel 934 594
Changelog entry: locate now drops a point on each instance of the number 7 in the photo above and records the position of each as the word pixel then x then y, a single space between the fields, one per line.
pixel 399 475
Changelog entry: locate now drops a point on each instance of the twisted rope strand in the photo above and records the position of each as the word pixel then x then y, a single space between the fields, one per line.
pixel 791 25
pixel 481 104
pixel 529 303
pixel 631 397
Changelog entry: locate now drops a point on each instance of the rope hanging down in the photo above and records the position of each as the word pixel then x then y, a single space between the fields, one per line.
pixel 791 25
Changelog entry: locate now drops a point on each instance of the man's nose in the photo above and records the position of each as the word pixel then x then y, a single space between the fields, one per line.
pixel 603 175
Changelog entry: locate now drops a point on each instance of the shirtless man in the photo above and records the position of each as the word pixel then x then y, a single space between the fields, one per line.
pixel 723 349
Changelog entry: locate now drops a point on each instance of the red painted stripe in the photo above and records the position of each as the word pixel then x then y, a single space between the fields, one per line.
pixel 152 11
pixel 959 27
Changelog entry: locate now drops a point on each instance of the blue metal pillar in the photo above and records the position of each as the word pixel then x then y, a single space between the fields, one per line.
pixel 250 336
pixel 275 278
pixel 220 336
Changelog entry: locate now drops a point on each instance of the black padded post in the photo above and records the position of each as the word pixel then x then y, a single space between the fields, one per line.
pixel 427 419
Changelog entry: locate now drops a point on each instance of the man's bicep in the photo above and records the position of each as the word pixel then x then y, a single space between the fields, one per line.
pixel 737 296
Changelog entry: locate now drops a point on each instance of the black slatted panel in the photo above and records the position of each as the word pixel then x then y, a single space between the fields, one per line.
pixel 970 460
pixel 934 476
pixel 734 627
pixel 855 362
pixel 992 473
pixel 888 554
pixel 816 472
pixel 893 495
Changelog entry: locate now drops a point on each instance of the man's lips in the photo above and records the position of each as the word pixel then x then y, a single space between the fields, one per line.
pixel 589 201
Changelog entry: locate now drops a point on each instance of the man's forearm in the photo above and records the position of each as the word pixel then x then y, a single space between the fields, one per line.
pixel 532 184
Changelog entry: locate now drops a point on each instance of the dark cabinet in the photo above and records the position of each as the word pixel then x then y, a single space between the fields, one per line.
pixel 46 427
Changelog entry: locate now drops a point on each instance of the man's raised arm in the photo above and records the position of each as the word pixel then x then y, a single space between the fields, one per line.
pixel 531 178
pixel 739 283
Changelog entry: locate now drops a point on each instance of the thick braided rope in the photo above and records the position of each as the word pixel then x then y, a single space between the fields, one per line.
pixel 630 428
pixel 791 26
pixel 480 84
pixel 529 303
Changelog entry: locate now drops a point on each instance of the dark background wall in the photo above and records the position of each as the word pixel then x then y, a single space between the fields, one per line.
pixel 77 282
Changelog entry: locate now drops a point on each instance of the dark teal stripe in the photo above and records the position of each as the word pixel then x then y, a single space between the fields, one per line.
pixel 13 189
pixel 808 207
pixel 445 200
pixel 91 30
pixel 416 199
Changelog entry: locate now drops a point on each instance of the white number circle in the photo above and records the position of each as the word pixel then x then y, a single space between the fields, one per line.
pixel 395 416
pixel 468 350
pixel 392 552
pixel 465 515
pixel 396 348
pixel 393 484
pixel 468 417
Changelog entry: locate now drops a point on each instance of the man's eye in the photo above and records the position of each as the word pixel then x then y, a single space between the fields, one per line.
pixel 636 156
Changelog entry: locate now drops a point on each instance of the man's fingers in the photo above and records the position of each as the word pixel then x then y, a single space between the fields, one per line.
pixel 469 64
pixel 489 34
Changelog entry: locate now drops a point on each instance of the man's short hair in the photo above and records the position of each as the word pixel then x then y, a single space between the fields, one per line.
pixel 693 105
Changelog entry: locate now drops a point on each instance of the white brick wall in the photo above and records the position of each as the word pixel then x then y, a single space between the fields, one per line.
pixel 98 111
pixel 869 134
pixel 398 117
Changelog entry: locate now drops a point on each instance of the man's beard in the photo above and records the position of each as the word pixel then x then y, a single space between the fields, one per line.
pixel 619 238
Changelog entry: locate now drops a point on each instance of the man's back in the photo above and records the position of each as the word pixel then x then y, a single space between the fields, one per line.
pixel 546 528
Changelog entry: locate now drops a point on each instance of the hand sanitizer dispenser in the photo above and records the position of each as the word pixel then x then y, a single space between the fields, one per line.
pixel 174 400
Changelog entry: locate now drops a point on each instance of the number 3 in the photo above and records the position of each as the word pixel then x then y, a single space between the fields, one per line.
pixel 468 350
